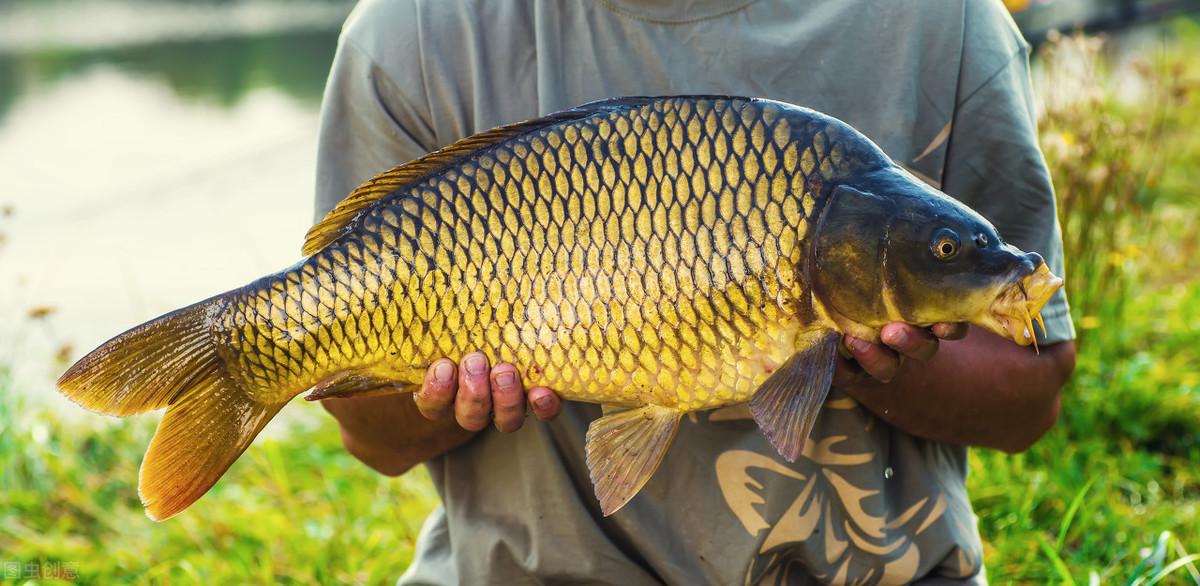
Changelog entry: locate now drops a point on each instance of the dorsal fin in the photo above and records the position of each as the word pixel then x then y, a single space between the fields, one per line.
pixel 338 219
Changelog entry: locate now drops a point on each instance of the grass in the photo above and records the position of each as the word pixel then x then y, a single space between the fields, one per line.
pixel 1121 467
pixel 299 512
pixel 1111 495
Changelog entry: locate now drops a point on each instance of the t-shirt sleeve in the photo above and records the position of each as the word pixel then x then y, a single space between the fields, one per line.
pixel 994 165
pixel 372 119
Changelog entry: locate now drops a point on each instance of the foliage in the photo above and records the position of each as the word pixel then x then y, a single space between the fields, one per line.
pixel 221 72
pixel 1111 495
pixel 298 511
pixel 1107 163
pixel 1118 470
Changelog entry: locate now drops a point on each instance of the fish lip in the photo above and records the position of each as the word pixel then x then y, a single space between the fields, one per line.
pixel 1020 303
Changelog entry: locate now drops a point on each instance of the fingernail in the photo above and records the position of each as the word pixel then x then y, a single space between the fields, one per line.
pixel 543 402
pixel 506 379
pixel 896 337
pixel 857 345
pixel 443 372
pixel 475 364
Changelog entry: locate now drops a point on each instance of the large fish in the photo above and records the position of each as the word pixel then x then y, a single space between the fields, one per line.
pixel 654 255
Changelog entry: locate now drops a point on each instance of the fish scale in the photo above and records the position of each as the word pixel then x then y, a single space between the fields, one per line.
pixel 683 251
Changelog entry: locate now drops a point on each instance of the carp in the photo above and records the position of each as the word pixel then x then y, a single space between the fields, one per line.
pixel 656 255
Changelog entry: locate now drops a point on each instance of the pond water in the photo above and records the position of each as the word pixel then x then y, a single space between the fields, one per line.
pixel 135 180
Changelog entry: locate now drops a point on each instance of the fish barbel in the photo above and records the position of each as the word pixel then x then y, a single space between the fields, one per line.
pixel 656 255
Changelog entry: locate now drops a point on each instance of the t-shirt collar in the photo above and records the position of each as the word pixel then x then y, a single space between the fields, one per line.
pixel 675 11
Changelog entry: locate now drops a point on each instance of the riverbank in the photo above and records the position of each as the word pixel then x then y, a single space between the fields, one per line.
pixel 106 24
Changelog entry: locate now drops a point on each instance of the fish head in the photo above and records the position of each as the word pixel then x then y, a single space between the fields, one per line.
pixel 895 249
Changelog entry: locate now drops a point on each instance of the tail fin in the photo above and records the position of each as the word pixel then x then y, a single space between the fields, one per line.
pixel 171 362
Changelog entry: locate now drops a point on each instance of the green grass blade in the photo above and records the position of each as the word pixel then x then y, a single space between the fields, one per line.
pixel 1191 568
pixel 1070 516
pixel 1060 567
pixel 1153 562
pixel 1171 567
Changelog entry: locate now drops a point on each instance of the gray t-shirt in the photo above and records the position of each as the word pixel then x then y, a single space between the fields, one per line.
pixel 941 85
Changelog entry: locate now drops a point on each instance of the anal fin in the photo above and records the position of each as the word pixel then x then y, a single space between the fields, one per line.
pixel 624 449
pixel 356 383
pixel 786 405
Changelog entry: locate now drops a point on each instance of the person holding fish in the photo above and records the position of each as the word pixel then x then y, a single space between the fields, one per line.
pixel 758 308
pixel 878 495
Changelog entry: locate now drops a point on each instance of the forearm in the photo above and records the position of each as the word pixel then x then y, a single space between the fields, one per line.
pixel 389 434
pixel 980 391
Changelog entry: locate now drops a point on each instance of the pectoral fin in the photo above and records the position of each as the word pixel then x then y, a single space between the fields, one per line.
pixel 356 383
pixel 624 448
pixel 786 405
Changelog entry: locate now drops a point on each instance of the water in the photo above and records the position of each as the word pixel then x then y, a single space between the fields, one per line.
pixel 135 179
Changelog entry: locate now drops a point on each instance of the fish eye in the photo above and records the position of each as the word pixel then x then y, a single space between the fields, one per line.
pixel 945 244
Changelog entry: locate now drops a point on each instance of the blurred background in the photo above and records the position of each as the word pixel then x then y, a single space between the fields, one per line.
pixel 137 134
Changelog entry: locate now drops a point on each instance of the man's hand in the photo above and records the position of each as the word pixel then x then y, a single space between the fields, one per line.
pixel 976 389
pixel 393 433
pixel 478 393
pixel 900 341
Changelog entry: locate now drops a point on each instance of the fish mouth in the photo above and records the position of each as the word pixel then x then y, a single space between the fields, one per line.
pixel 1020 304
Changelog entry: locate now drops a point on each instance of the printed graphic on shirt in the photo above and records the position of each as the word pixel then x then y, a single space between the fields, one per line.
pixel 842 521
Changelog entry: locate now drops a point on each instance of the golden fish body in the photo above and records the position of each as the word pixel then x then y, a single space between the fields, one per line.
pixel 644 254
pixel 656 255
